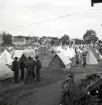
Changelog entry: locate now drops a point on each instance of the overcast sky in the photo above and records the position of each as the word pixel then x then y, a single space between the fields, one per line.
pixel 15 13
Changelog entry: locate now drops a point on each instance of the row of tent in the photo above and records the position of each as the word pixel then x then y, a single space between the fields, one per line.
pixel 61 60
pixel 65 58
pixel 7 57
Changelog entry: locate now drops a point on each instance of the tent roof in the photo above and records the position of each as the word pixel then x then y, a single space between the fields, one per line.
pixel 5 58
pixel 30 54
pixel 90 58
pixel 63 58
pixel 5 72
pixel 18 53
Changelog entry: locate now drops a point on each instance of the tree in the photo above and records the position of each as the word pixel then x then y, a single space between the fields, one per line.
pixel 64 39
pixel 7 38
pixel 57 42
pixel 52 42
pixel 99 42
pixel 90 36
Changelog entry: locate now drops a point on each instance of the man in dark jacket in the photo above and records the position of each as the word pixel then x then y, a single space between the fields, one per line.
pixel 29 70
pixel 15 68
pixel 33 69
pixel 84 59
pixel 22 66
pixel 38 67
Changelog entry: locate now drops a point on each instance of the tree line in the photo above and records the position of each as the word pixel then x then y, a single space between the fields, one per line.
pixel 89 37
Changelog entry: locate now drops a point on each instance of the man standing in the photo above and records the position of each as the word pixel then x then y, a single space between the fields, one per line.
pixel 15 68
pixel 33 68
pixel 22 66
pixel 30 65
pixel 38 67
pixel 77 58
pixel 84 59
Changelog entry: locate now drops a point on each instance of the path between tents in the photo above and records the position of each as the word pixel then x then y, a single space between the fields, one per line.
pixel 48 95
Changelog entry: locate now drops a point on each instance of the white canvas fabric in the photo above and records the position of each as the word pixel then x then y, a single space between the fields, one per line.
pixel 64 59
pixel 58 49
pixel 18 53
pixel 5 72
pixel 72 52
pixel 5 58
pixel 97 52
pixel 68 52
pixel 91 59
pixel 30 54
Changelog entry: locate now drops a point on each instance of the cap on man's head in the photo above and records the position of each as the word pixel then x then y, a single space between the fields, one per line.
pixel 16 58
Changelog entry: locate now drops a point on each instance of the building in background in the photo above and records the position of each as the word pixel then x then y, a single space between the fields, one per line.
pixel 19 41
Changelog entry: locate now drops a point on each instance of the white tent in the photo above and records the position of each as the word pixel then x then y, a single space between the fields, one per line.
pixel 5 58
pixel 91 59
pixel 60 61
pixel 30 54
pixel 72 51
pixel 58 49
pixel 97 52
pixel 5 72
pixel 18 53
pixel 68 52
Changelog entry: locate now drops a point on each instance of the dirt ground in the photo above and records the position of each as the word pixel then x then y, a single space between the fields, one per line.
pixel 45 92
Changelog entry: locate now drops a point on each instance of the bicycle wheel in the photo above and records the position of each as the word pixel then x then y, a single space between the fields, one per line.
pixel 72 87
pixel 69 98
pixel 65 85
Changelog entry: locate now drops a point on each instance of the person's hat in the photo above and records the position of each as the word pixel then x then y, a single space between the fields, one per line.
pixel 16 58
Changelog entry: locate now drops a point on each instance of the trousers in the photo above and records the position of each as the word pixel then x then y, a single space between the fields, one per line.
pixel 15 76
pixel 38 74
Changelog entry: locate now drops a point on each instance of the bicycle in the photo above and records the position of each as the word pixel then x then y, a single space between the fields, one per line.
pixel 67 96
pixel 69 83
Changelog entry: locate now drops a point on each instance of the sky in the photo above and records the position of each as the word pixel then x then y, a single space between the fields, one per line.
pixel 16 13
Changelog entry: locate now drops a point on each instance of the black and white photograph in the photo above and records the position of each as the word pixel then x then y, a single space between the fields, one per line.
pixel 50 52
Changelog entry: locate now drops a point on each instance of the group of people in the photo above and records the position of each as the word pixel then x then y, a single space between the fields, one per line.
pixel 28 66
pixel 77 58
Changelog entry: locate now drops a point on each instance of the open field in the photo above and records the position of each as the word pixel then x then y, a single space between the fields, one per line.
pixel 13 93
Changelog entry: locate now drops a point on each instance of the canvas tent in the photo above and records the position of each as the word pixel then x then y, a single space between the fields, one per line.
pixel 5 58
pixel 5 72
pixel 97 54
pixel 91 59
pixel 60 62
pixel 30 54
pixel 18 53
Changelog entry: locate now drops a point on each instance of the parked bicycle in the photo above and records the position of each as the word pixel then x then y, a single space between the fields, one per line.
pixel 69 84
pixel 68 87
pixel 67 98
